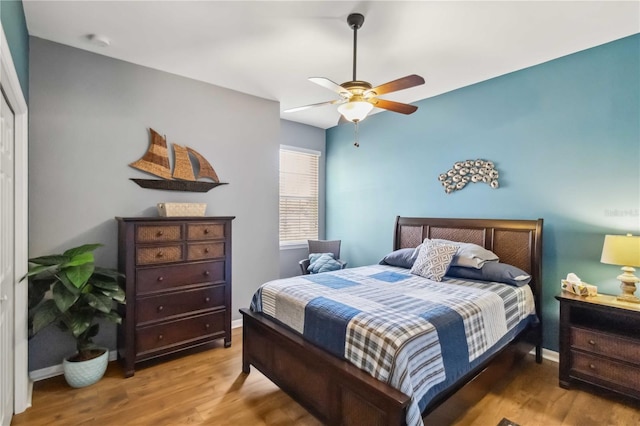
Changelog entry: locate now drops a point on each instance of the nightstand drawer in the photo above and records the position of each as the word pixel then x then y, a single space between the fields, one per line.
pixel 162 278
pixel 610 345
pixel 156 308
pixel 174 333
pixel 158 233
pixel 160 254
pixel 205 231
pixel 199 251
pixel 616 374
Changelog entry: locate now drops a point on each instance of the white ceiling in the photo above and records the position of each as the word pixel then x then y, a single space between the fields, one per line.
pixel 270 48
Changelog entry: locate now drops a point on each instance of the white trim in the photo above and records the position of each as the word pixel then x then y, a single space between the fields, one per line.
pixel 56 370
pixel 548 354
pixel 298 149
pixel 295 246
pixel 236 323
pixel 13 91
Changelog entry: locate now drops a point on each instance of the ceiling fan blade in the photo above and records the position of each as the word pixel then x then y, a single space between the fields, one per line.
pixel 302 108
pixel 395 85
pixel 394 106
pixel 331 85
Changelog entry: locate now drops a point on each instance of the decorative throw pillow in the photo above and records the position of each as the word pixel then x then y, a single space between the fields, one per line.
pixel 470 255
pixel 322 262
pixel 402 258
pixel 492 272
pixel 433 259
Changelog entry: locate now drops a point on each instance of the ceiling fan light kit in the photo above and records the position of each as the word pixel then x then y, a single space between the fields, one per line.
pixel 358 97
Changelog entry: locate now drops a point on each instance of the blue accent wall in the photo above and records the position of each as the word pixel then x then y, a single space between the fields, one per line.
pixel 564 135
pixel 15 29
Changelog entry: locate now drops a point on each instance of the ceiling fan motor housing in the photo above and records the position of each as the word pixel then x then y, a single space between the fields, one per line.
pixel 355 20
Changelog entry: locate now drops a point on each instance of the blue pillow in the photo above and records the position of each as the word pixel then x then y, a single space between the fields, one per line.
pixel 322 262
pixel 403 258
pixel 494 272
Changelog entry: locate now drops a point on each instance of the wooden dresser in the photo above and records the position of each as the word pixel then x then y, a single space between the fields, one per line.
pixel 178 285
pixel 600 343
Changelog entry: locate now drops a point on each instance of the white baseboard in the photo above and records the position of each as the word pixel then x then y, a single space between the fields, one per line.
pixel 548 354
pixel 56 370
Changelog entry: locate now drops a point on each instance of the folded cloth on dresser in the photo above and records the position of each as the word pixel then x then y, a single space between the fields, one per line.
pixel 417 335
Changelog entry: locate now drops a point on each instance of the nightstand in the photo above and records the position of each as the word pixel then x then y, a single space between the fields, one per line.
pixel 600 343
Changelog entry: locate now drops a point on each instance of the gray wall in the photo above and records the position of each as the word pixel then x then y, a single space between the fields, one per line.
pixel 309 137
pixel 89 118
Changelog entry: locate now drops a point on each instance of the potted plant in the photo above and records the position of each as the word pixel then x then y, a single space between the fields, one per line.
pixel 78 293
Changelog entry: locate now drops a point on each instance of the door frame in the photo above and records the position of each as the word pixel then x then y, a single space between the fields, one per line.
pixel 13 92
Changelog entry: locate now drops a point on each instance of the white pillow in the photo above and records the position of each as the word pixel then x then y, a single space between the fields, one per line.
pixel 470 255
pixel 433 259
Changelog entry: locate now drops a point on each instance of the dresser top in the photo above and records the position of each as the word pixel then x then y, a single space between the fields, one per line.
pixel 600 299
pixel 172 218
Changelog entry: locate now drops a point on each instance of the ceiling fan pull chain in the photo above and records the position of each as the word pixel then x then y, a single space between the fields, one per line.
pixel 356 143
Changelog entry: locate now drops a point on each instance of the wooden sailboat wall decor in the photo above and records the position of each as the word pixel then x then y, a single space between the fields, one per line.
pixel 156 162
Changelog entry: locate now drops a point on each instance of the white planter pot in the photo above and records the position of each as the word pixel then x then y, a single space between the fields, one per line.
pixel 85 373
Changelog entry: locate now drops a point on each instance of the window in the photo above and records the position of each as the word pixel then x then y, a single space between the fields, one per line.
pixel 298 195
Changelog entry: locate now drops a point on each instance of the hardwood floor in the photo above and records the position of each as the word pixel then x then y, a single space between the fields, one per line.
pixel 208 388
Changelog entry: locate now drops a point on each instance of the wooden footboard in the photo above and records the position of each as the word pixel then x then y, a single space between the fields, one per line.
pixel 333 390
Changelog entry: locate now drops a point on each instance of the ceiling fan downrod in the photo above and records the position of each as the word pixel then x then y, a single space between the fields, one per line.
pixel 355 21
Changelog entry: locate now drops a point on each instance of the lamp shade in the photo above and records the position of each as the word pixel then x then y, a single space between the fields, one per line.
pixel 621 250
pixel 355 110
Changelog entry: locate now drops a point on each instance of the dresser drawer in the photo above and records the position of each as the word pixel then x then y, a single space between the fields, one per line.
pixel 157 308
pixel 610 345
pixel 158 233
pixel 149 280
pixel 174 333
pixel 616 374
pixel 199 251
pixel 205 231
pixel 159 254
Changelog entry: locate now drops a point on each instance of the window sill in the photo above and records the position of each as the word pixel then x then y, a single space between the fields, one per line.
pixel 293 246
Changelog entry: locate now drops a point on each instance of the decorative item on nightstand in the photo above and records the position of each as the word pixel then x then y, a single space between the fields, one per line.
pixel 623 250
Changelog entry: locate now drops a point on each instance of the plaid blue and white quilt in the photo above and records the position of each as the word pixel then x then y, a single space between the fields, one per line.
pixel 417 335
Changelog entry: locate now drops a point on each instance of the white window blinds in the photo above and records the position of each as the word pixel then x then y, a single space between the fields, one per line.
pixel 298 195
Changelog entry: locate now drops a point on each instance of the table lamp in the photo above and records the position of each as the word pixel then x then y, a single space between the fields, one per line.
pixel 623 250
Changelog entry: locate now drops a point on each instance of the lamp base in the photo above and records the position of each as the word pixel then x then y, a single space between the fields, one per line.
pixel 628 298
pixel 628 285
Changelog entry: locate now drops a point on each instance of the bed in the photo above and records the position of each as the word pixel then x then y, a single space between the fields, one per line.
pixel 338 392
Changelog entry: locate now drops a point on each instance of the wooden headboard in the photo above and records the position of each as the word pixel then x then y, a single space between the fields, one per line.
pixel 516 242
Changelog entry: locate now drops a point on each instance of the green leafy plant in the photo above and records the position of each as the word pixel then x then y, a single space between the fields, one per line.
pixel 70 290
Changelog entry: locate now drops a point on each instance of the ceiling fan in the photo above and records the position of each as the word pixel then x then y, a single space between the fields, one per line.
pixel 358 97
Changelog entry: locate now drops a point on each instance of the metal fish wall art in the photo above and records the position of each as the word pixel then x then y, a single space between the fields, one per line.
pixel 469 171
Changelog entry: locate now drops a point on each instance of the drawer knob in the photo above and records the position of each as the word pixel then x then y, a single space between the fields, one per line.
pixel 207 299
pixel 160 279
pixel 160 337
pixel 206 273
pixel 592 366
pixel 160 308
pixel 207 326
pixel 160 233
pixel 592 342
pixel 206 250
pixel 160 254
pixel 206 231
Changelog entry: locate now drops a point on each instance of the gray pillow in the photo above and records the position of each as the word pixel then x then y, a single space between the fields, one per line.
pixel 402 258
pixel 493 272
pixel 433 259
pixel 470 255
